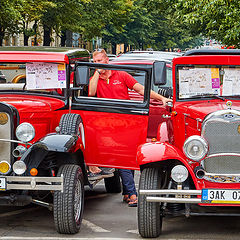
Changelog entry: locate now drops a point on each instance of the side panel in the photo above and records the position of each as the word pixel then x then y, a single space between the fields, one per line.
pixel 111 139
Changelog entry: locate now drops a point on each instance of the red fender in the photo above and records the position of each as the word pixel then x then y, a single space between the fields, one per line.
pixel 157 152
pixel 162 132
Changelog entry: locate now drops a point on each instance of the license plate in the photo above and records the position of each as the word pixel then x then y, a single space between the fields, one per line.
pixel 227 196
pixel 2 184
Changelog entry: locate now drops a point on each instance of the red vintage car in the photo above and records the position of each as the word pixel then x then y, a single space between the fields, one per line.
pixel 51 130
pixel 156 109
pixel 42 141
pixel 196 170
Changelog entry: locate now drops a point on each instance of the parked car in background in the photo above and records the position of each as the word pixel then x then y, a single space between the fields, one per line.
pixel 151 55
pixel 156 110
pixel 195 171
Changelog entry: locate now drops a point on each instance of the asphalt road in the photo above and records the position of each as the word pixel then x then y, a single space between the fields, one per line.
pixel 107 217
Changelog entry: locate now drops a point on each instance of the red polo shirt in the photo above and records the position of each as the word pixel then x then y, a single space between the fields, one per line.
pixel 117 86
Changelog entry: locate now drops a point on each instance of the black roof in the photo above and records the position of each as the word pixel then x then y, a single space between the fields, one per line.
pixel 212 52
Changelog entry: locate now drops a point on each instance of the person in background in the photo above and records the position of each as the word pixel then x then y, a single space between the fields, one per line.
pixel 115 84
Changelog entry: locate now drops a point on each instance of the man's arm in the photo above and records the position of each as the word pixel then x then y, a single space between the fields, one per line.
pixel 92 88
pixel 140 89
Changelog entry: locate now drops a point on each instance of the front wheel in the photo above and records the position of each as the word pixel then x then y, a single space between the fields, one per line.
pixel 69 204
pixel 149 213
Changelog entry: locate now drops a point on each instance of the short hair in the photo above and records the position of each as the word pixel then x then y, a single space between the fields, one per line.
pixel 99 50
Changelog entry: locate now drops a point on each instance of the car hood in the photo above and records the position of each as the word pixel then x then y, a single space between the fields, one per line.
pixel 29 103
pixel 202 109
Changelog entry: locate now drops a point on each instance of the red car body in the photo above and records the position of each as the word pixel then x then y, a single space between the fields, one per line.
pixel 51 130
pixel 196 169
pixel 156 108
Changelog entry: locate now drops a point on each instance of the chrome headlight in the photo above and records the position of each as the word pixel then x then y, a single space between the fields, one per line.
pixel 195 148
pixel 19 167
pixel 179 173
pixel 25 132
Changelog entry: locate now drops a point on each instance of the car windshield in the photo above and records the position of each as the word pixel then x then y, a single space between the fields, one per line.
pixel 38 76
pixel 214 81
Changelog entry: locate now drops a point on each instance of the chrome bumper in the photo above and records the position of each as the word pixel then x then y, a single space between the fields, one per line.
pixel 34 183
pixel 181 196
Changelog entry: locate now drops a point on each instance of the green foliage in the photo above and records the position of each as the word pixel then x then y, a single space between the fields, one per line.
pixel 152 25
pixel 216 19
pixel 10 14
pixel 32 11
pixel 98 14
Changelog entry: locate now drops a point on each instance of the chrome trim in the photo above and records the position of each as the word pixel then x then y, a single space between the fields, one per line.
pixel 173 200
pixel 170 191
pixel 15 141
pixel 34 183
pixel 220 113
pixel 222 154
pixel 181 196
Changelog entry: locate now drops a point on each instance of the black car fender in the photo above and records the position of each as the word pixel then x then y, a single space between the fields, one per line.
pixel 59 143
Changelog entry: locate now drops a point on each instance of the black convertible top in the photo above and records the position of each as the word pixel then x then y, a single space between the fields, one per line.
pixel 212 52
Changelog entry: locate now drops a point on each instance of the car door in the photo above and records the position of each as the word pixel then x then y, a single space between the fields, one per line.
pixel 113 128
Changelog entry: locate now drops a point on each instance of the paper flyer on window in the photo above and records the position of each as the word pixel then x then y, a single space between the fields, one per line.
pixel 231 82
pixel 195 81
pixel 45 76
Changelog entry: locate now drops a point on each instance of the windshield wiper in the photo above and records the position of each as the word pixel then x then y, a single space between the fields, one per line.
pixel 208 95
pixel 232 96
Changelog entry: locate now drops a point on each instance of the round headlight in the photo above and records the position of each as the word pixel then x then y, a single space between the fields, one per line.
pixel 19 167
pixel 179 173
pixel 25 132
pixel 195 148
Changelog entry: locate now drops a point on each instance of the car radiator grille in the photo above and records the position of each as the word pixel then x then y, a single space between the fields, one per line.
pixel 223 137
pixel 5 133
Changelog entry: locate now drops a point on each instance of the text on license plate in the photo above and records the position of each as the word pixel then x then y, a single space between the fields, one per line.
pixel 221 196
pixel 2 184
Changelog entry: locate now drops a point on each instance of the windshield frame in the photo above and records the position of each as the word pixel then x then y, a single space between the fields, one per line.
pixel 40 92
pixel 204 96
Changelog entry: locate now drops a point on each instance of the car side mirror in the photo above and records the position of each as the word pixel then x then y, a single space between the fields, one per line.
pixel 82 75
pixel 159 73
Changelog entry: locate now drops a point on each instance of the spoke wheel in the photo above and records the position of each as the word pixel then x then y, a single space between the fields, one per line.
pixel 69 204
pixel 149 213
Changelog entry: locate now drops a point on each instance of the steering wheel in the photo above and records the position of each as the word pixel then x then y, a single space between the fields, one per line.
pixel 19 79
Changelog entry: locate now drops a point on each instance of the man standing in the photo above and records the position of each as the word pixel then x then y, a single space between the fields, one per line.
pixel 115 84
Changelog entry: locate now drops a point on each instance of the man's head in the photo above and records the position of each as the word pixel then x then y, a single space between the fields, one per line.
pixel 100 56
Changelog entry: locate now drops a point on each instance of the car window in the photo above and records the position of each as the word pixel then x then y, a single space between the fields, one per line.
pixel 118 86
pixel 208 81
pixel 49 78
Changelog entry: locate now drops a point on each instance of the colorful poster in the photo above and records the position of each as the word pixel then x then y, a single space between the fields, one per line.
pixel 45 76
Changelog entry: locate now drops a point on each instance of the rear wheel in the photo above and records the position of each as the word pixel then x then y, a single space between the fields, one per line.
pixel 149 213
pixel 69 204
pixel 113 184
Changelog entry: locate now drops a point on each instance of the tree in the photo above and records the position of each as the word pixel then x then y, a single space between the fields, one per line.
pixel 151 25
pixel 32 11
pixel 216 19
pixel 9 17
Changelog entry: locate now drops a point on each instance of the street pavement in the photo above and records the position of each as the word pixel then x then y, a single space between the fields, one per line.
pixel 107 217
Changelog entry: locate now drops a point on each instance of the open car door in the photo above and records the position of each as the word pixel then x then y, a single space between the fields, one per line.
pixel 112 128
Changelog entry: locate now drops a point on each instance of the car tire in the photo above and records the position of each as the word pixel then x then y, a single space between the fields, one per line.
pixel 69 204
pixel 113 184
pixel 149 213
pixel 69 124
